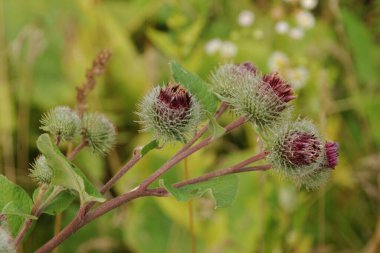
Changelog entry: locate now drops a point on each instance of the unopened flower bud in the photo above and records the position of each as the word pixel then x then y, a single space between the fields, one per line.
pixel 170 112
pixel 62 122
pixel 262 100
pixel 41 172
pixel 296 149
pixel 98 132
pixel 331 153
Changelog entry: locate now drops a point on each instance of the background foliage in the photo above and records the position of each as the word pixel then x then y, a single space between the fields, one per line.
pixel 46 47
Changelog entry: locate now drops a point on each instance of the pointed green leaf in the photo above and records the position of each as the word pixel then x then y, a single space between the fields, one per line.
pixel 197 87
pixel 65 173
pixel 13 209
pixel 14 194
pixel 223 189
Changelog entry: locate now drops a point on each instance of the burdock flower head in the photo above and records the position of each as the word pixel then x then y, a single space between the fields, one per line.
pixel 98 132
pixel 62 122
pixel 41 172
pixel 170 112
pixel 263 100
pixel 297 151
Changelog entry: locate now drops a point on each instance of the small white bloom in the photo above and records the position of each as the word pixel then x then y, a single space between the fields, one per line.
pixel 305 19
pixel 228 49
pixel 296 33
pixel 309 4
pixel 282 27
pixel 213 46
pixel 297 77
pixel 246 18
pixel 258 34
pixel 287 199
pixel 277 61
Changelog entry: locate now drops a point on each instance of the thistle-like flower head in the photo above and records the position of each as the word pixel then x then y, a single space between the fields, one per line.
pixel 98 132
pixel 62 122
pixel 41 172
pixel 331 153
pixel 296 150
pixel 261 99
pixel 170 112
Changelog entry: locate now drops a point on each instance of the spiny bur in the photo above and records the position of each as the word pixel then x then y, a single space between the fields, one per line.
pixel 98 132
pixel 62 122
pixel 170 112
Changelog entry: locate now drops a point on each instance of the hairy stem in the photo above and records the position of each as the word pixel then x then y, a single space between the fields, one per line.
pixel 185 153
pixel 34 211
pixel 76 150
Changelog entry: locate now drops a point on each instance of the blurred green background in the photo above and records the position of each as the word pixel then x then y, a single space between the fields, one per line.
pixel 329 51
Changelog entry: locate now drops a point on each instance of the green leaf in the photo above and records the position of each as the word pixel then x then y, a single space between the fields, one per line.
pixel 195 85
pixel 65 173
pixel 12 209
pixel 223 189
pixel 59 204
pixel 148 147
pixel 216 129
pixel 14 197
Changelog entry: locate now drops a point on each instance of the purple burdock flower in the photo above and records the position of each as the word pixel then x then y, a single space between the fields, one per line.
pixel 248 66
pixel 331 149
pixel 301 148
pixel 170 112
pixel 282 89
pixel 175 97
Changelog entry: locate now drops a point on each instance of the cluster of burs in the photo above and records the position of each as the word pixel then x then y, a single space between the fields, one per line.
pixel 93 129
pixel 295 148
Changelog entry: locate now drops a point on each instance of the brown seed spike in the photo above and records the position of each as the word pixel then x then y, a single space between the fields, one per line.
pixel 282 89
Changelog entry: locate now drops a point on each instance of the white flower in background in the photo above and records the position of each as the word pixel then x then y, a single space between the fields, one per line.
pixel 228 49
pixel 287 199
pixel 258 34
pixel 213 46
pixel 305 19
pixel 297 77
pixel 296 33
pixel 282 27
pixel 309 4
pixel 246 18
pixel 277 60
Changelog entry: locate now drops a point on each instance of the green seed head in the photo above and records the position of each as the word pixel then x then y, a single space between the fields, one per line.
pixel 98 132
pixel 170 112
pixel 62 122
pixel 41 172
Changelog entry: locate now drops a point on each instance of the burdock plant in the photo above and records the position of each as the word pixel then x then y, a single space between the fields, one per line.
pixel 174 112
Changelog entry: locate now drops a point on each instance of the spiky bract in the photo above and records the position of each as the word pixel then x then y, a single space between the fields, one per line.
pixel 98 132
pixel 297 152
pixel 62 122
pixel 41 172
pixel 331 155
pixel 262 100
pixel 170 112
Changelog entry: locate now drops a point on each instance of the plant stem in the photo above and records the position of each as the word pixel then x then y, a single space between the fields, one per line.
pixel 79 221
pixel 190 210
pixel 34 211
pixel 240 167
pixel 223 107
pixel 185 153
pixel 76 150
